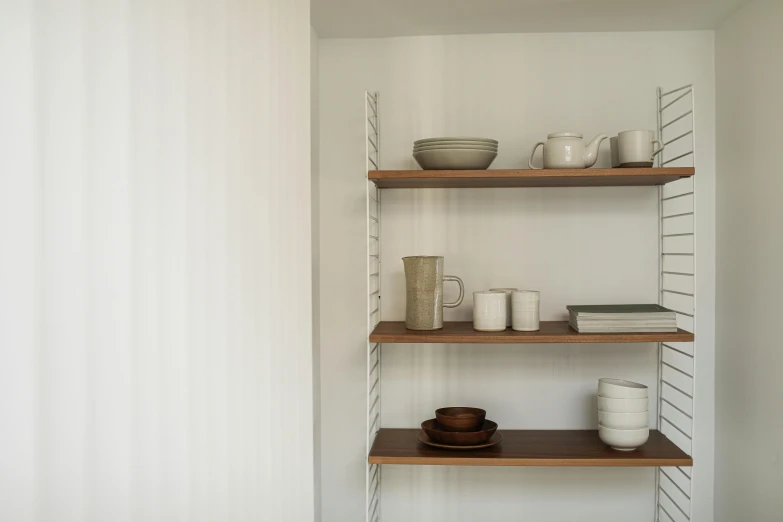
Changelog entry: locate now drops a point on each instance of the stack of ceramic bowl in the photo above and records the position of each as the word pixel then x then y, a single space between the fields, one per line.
pixel 459 428
pixel 623 421
pixel 455 153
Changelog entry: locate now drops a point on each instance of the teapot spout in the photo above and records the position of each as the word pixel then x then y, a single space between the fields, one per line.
pixel 591 150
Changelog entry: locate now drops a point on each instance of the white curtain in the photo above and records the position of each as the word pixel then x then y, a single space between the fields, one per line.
pixel 155 333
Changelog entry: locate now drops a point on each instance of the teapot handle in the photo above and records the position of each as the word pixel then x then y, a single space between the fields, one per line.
pixel 532 153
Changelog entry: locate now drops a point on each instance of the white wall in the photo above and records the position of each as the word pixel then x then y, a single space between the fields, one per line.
pixel 315 178
pixel 155 285
pixel 575 245
pixel 749 391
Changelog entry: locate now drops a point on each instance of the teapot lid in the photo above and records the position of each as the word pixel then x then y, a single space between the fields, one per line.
pixel 565 135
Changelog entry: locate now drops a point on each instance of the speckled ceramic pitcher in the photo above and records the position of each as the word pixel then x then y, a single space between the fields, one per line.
pixel 424 292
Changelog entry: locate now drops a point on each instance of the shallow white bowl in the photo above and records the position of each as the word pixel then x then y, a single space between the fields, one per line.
pixel 624 421
pixel 455 159
pixel 608 404
pixel 623 440
pixel 620 389
pixel 455 138
pixel 455 146
pixel 456 142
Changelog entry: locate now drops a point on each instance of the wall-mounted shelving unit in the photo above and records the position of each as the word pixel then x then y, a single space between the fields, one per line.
pixel 670 446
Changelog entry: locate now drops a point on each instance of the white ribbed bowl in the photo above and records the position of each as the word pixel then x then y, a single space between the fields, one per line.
pixel 624 421
pixel 623 440
pixel 621 389
pixel 622 405
pixel 455 159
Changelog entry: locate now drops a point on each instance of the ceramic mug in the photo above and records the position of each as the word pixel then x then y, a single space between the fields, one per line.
pixel 525 310
pixel 635 148
pixel 489 311
pixel 424 292
pixel 507 291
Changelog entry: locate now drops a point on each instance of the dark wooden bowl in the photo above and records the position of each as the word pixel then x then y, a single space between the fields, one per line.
pixel 460 418
pixel 459 438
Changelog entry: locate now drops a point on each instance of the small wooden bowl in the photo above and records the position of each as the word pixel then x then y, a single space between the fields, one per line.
pixel 460 418
pixel 459 438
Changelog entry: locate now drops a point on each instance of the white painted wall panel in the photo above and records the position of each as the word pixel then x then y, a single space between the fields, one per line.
pixel 155 278
pixel 315 219
pixel 749 426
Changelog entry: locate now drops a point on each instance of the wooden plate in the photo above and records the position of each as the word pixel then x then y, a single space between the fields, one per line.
pixel 424 439
pixel 436 433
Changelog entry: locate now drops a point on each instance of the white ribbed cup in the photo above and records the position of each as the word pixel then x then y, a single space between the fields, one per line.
pixel 508 301
pixel 525 306
pixel 489 311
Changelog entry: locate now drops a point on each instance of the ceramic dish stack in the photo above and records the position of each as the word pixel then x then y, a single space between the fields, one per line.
pixel 457 153
pixel 623 421
pixel 459 428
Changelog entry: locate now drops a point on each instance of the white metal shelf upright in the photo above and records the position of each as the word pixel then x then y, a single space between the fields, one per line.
pixel 373 161
pixel 677 285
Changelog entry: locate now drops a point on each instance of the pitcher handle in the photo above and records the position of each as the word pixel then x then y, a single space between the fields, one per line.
pixel 533 153
pixel 661 145
pixel 461 291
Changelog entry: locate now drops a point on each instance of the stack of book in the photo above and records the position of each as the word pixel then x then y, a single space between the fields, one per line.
pixel 622 318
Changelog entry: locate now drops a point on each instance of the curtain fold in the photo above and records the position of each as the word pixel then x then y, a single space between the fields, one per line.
pixel 155 268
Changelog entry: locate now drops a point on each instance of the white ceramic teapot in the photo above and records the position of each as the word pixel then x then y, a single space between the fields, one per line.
pixel 566 150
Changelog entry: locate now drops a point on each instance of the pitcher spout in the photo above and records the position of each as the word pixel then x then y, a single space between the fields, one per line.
pixel 591 150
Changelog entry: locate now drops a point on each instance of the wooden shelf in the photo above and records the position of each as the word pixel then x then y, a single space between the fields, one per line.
pixel 527 178
pixel 550 332
pixel 528 448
